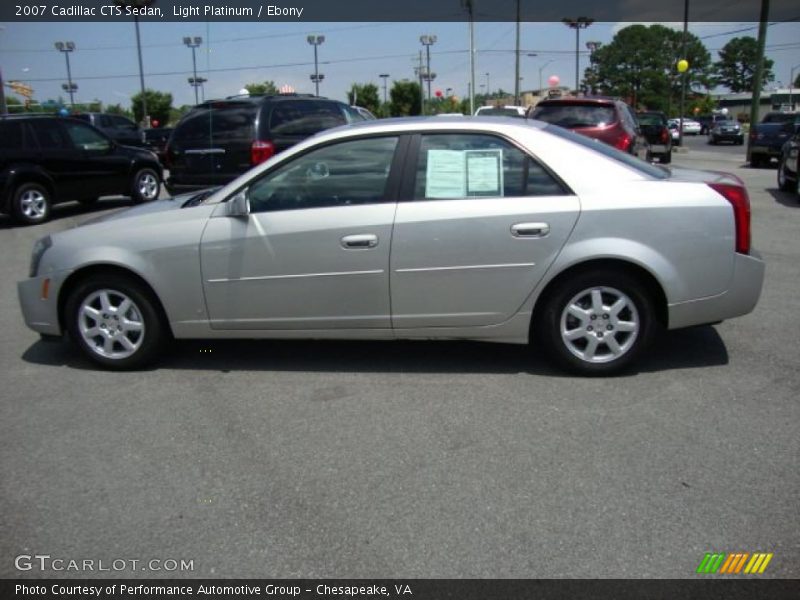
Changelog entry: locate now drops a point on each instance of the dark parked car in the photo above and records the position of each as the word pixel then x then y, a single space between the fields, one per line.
pixel 768 137
pixel 789 165
pixel 655 129
pixel 120 129
pixel 156 140
pixel 221 139
pixel 605 119
pixel 47 159
pixel 726 130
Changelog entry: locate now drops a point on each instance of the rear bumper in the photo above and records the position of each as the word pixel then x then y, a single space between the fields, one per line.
pixel 740 298
pixel 40 313
pixel 660 149
pixel 765 151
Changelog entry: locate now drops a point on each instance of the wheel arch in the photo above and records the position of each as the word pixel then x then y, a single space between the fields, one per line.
pixel 17 176
pixel 649 282
pixel 88 271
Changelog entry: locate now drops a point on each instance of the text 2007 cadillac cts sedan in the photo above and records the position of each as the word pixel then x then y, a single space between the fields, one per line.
pixel 500 230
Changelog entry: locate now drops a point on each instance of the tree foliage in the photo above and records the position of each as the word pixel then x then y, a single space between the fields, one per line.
pixel 406 99
pixel 639 64
pixel 118 109
pixel 159 105
pixel 267 88
pixel 366 95
pixel 736 67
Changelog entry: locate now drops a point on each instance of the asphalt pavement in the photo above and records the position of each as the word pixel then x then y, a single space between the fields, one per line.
pixel 401 459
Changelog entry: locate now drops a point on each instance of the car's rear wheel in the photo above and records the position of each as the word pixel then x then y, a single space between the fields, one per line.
pixel 32 203
pixel 666 158
pixel 145 185
pixel 115 322
pixel 785 183
pixel 596 323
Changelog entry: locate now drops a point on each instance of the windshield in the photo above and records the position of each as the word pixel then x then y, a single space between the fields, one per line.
pixel 628 160
pixel 574 115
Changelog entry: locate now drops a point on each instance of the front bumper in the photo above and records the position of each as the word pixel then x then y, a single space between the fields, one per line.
pixel 728 137
pixel 740 299
pixel 40 312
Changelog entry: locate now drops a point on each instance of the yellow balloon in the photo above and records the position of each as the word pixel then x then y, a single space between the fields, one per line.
pixel 683 65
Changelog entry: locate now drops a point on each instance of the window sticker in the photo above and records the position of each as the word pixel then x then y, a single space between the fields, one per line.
pixel 464 173
pixel 484 172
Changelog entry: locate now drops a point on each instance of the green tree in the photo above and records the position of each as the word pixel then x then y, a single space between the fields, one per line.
pixel 176 114
pixel 639 64
pixel 118 109
pixel 365 95
pixel 159 105
pixel 406 99
pixel 736 66
pixel 268 88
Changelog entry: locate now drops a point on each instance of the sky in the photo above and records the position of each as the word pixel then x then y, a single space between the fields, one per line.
pixel 104 64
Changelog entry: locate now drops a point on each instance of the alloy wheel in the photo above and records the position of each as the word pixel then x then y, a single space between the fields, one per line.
pixel 111 324
pixel 33 204
pixel 147 185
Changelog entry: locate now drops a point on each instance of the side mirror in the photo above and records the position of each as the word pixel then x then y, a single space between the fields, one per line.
pixel 239 205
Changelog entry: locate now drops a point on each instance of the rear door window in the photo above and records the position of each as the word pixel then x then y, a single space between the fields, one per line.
pixel 466 165
pixel 304 118
pixel 574 115
pixel 50 135
pixel 11 135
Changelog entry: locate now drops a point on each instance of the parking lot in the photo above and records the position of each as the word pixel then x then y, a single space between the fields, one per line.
pixel 412 459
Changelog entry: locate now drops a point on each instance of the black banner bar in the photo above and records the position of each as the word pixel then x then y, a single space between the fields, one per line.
pixel 701 588
pixel 389 10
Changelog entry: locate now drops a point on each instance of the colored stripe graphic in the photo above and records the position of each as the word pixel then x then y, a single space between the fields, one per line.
pixel 732 563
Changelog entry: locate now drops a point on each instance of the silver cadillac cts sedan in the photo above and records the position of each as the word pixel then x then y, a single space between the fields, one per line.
pixel 492 229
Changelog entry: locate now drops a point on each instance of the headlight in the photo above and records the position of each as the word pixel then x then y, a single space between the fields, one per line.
pixel 39 249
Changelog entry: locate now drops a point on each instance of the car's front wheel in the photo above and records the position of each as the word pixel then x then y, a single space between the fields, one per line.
pixel 145 185
pixel 115 322
pixel 785 183
pixel 596 323
pixel 32 203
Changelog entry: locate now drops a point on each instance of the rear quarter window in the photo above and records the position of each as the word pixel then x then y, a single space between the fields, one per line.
pixel 217 125
pixel 304 118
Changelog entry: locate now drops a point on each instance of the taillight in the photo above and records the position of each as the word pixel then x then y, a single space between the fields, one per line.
pixel 623 142
pixel 737 196
pixel 261 151
pixel 664 136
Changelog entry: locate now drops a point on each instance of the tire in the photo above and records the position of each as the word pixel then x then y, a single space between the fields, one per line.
pixel 145 185
pixel 756 162
pixel 591 294
pixel 666 158
pixel 98 323
pixel 785 184
pixel 32 203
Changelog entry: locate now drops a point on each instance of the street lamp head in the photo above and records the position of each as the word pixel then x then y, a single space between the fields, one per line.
pixel 59 46
pixel 315 40
pixel 198 40
pixel 383 75
pixel 70 46
pixel 427 40
pixel 187 40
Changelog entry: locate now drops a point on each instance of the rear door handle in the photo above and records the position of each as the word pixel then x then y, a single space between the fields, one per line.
pixel 359 241
pixel 530 230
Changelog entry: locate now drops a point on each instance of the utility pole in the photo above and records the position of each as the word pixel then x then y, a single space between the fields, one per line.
pixel 683 74
pixel 138 4
pixel 759 74
pixel 3 105
pixel 470 9
pixel 516 60
pixel 420 70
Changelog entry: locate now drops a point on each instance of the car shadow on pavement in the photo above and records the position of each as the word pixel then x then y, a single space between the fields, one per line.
pixel 690 348
pixel 67 210
pixel 786 198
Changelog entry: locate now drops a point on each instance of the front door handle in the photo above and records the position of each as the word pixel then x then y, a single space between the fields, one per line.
pixel 360 241
pixel 530 230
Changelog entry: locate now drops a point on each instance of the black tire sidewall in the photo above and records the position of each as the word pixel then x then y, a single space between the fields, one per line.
pixel 548 321
pixel 17 209
pixel 154 327
pixel 135 195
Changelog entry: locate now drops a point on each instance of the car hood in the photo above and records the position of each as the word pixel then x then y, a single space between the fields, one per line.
pixel 142 209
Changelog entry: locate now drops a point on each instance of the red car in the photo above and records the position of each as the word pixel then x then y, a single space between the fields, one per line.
pixel 605 119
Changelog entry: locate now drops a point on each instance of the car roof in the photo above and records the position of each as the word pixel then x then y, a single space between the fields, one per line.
pixel 432 123
pixel 261 98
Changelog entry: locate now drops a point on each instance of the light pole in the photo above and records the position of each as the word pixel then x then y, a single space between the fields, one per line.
pixel 488 87
pixel 428 41
pixel 385 77
pixel 791 85
pixel 66 48
pixel 197 82
pixel 139 4
pixel 577 25
pixel 316 40
pixel 517 78
pixel 592 47
pixel 193 43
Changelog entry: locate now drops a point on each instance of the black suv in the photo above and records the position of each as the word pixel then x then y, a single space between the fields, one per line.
pixel 221 139
pixel 47 159
pixel 120 129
